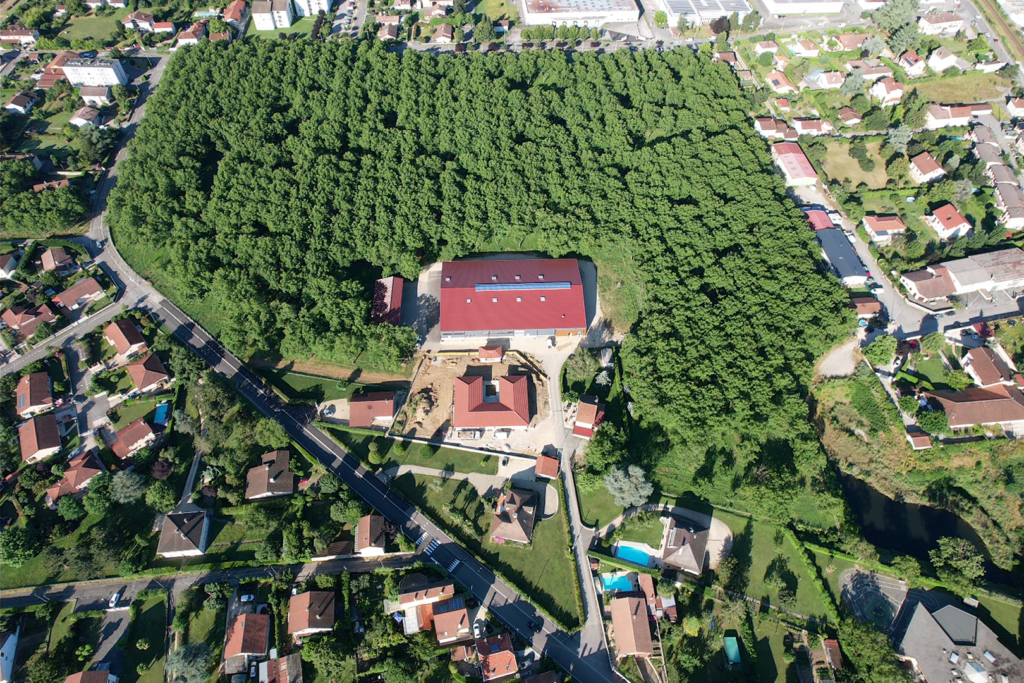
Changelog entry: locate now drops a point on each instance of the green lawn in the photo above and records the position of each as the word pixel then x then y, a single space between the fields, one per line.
pixel 645 528
pixel 140 408
pixel 302 27
pixel 420 455
pixel 92 26
pixel 932 370
pixel 833 568
pixel 839 164
pixel 149 624
pixel 497 9
pixel 61 624
pixel 598 508
pixel 543 571
pixel 758 546
pixel 771 649
pixel 302 387
pixel 207 626
pixel 969 87
pixel 1004 618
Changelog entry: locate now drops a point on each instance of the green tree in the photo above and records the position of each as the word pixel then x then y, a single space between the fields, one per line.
pixel 958 564
pixel 18 545
pixel 271 433
pixel 934 342
pixel 958 380
pixel 127 487
pixel 326 582
pixel 142 644
pixel 160 496
pixel 898 137
pixel 629 486
pixel 895 14
pixel 190 663
pixel 661 19
pixel 871 656
pixel 329 484
pixel 881 351
pixel 853 84
pixel 933 421
pixel 70 508
pixel 909 405
pixel 327 655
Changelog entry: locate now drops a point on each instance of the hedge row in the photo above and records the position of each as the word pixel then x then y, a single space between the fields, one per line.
pixel 570 553
pixel 814 571
pixel 622 564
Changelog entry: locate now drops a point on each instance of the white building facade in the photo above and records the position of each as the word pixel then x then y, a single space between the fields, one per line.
pixel 591 13
pixel 94 72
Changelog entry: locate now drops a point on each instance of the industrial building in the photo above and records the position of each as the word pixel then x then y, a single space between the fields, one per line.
pixel 591 13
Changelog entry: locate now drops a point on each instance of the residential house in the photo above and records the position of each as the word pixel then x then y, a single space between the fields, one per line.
pixel 867 307
pixel 438 11
pixel 501 27
pixel 818 219
pixel 924 169
pixel 21 103
pixel 807 49
pixel 833 655
pixel 726 56
pixel 451 621
pixel 237 15
pixel 988 154
pixel 848 42
pixel 774 129
pixel 506 407
pixel 948 223
pixel 841 257
pixel 311 612
pixel 386 306
pixel 54 71
pixel 912 64
pixel 80 471
pixel 994 405
pixel 546 467
pixel 941 23
pixel 1001 174
pixel 589 416
pixel 48 185
pixel 881 229
pixel 782 103
pixel 163 27
pixel 870 72
pixel 148 374
pixel 133 438
pixel 33 396
pixel 497 658
pixel 779 84
pixel 945 115
pixel 248 638
pixel 490 354
pixel 631 628
pixel 764 46
pixel 403 5
pixel 993 271
pixel 981 135
pixel 8 653
pixel 80 294
pixel 1010 200
pixel 370 536
pixel 26 320
pixel 888 90
pixel 514 516
pixel 95 94
pixel 388 32
pixel 942 59
pixel 919 441
pixel 367 410
pixel 125 337
pixel 8 264
pixel 184 534
pixel 56 259
pixel 39 438
pixel 281 670
pixel 86 116
pixel 20 35
pixel 1015 106
pixel 686 545
pixel 951 643
pixel 794 164
pixel 81 72
pixel 849 116
pixel 986 367
pixel 443 34
pixel 825 80
pixel 813 126
pixel 271 477
pixel 140 22
pixel 192 35
pixel 416 600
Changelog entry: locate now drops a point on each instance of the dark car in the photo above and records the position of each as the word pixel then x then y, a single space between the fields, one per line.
pixel 536 626
pixel 79 399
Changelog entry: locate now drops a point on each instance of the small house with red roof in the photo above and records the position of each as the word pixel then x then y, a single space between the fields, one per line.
pixel 373 408
pixel 589 415
pixel 546 467
pixel 133 438
pixel 387 300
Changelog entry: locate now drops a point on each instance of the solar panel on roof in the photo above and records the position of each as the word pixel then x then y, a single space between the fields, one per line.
pixel 522 286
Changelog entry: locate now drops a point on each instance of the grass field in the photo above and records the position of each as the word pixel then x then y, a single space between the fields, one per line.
pixel 61 624
pixel 1005 619
pixel 141 408
pixel 207 626
pixel 839 164
pixel 497 9
pixel 303 27
pixel 838 565
pixel 92 26
pixel 302 387
pixel 34 572
pixel 149 624
pixel 542 571
pixel 415 454
pixel 969 87
pixel 645 528
pixel 932 370
pixel 598 508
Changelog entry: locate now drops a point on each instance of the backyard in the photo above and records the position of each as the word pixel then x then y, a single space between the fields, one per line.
pixel 300 387
pixel 149 623
pixel 969 87
pixel 93 26
pixel 544 571
pixel 437 457
pixel 123 415
pixel 840 165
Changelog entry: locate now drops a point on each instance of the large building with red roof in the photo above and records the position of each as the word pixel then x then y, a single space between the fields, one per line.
pixel 498 404
pixel 516 298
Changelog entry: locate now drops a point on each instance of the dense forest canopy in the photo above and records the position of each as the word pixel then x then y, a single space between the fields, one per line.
pixel 273 181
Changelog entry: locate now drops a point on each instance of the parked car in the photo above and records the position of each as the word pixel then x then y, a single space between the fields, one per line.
pixel 80 399
pixel 114 600
pixel 536 626
pixel 247 598
pixel 476 630
pixel 252 670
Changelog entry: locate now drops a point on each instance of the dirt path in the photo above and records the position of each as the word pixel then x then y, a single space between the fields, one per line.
pixel 840 361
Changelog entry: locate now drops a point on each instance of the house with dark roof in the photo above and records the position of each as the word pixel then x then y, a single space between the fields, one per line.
pixel 81 470
pixel 492 404
pixel 589 415
pixel 951 643
pixel 248 638
pixel 685 545
pixel 451 621
pixel 523 297
pixel 281 670
pixel 514 516
pixel 32 395
pixel 366 410
pixel 133 438
pixel 125 338
pixel 995 405
pixel 80 294
pixel 497 657
pixel 26 320
pixel 370 536
pixel 842 257
pixel 56 259
pixel 311 612
pixel 986 367
pixel 631 628
pixel 184 534
pixel 39 438
pixel 271 477
pixel 8 264
pixel 148 374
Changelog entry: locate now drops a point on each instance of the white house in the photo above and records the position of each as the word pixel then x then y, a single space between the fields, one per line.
pixel 948 222
pixel 807 49
pixel 21 103
pixel 793 163
pixel 912 63
pixel 813 126
pixel 882 229
pixel 779 83
pixel 19 34
pixel 192 35
pixel 1015 106
pixel 783 8
pixel 944 116
pixel 237 15
pixel 941 23
pixel 924 169
pixel 269 15
pixel 826 80
pixel 95 94
pixel 90 72
pixel 184 534
pixel 763 46
pixel 941 59
pixel 86 115
pixel 309 8
pixel 888 90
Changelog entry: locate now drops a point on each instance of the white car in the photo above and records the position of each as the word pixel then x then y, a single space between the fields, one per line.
pixel 247 598
pixel 476 630
pixel 114 600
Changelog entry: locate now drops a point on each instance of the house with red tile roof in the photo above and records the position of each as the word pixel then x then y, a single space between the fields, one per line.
pixel 866 306
pixel 39 438
pixel 492 404
pixel 80 294
pixel 995 405
pixel 237 14
pixel 148 374
pixel 386 306
pixel 490 354
pixel 26 320
pixel 81 469
pixel 948 222
pixel 986 367
pixel 370 537
pixel 125 337
pixel 881 229
pixel 248 637
pixel 133 438
pixel 272 477
pixel 366 410
pixel 497 657
pixel 794 164
pixel 631 628
pixel 311 612
pixel 888 90
pixel 32 395
pixel 589 416
pixel 924 169
pixel 546 467
pixel 451 621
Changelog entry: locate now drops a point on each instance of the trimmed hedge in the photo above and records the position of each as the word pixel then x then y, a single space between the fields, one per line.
pixel 570 553
pixel 622 564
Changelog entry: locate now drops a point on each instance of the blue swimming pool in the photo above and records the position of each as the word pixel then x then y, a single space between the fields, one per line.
pixel 634 555
pixel 163 414
pixel 616 583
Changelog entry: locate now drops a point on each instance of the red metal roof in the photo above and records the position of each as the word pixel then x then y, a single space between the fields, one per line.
pixel 818 219
pixel 512 409
pixel 525 294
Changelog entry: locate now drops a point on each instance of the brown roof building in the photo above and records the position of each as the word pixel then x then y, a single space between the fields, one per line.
pixel 685 546
pixel 26 320
pixel 546 467
pixel 125 337
pixel 39 438
pixel 56 258
pixel 986 367
pixel 82 293
pixel 311 612
pixel 90 677
pixel 497 657
pixel 148 373
pixel 364 409
pixel 133 438
pixel 76 477
pixel 33 394
pixel 370 537
pixel 998 404
pixel 451 621
pixel 631 627
pixel 248 635
pixel 866 306
pixel 282 670
pixel 271 478
pixel 589 415
pixel 514 516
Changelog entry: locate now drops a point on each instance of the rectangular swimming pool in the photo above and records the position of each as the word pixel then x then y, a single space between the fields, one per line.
pixel 634 555
pixel 616 583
